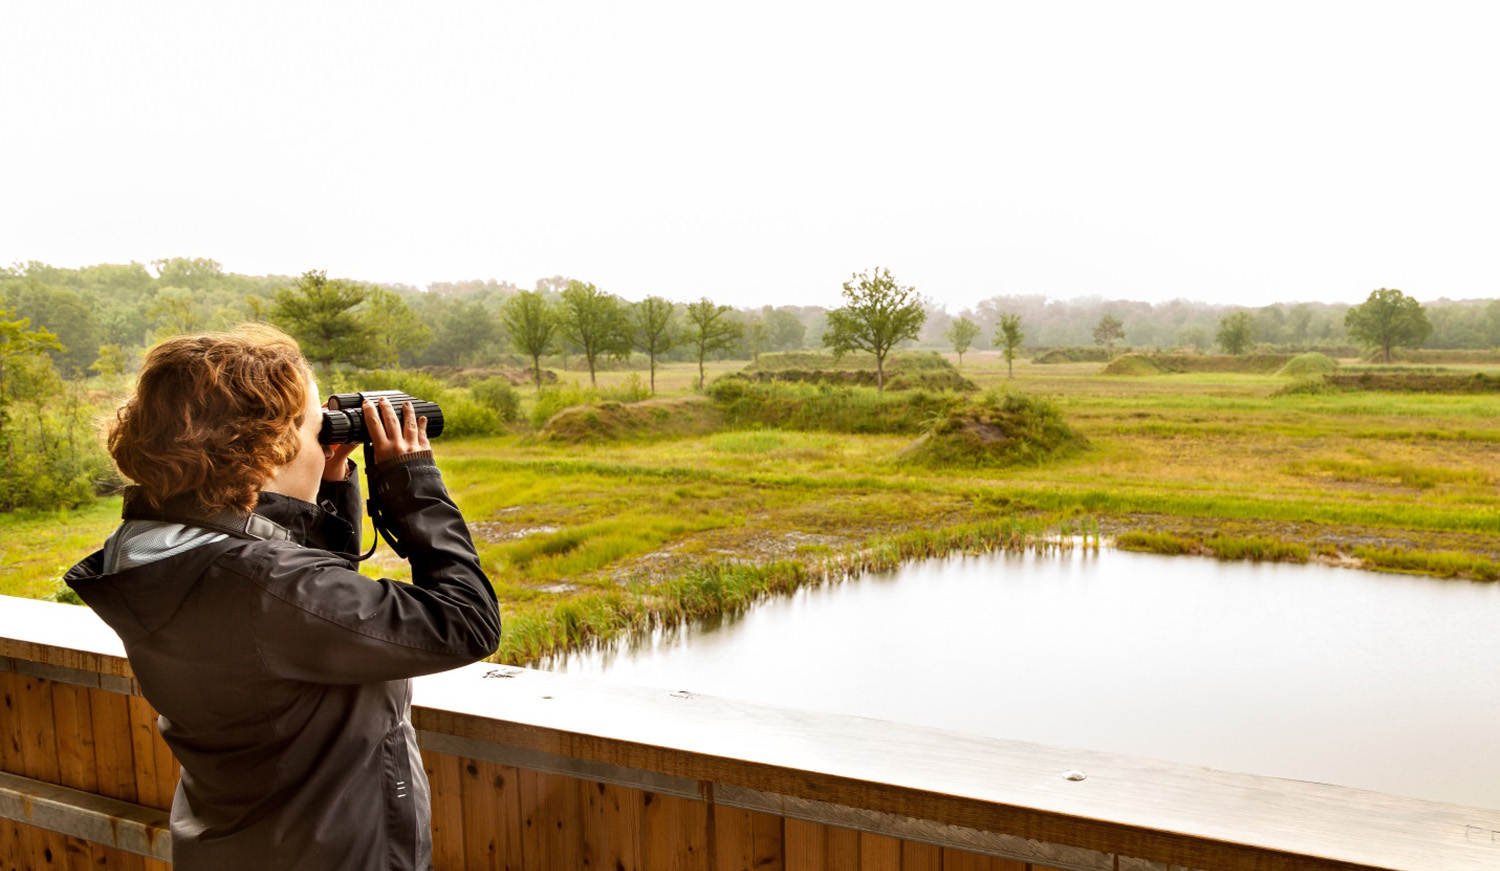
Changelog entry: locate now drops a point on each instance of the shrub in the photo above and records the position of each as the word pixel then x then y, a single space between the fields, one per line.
pixel 551 400
pixel 1003 429
pixel 499 396
pixel 827 408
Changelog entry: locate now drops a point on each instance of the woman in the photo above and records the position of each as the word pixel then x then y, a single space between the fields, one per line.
pixel 280 673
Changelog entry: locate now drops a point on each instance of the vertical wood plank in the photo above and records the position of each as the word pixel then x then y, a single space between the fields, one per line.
pixel 612 826
pixel 10 724
pixel 75 737
pixel 551 825
pixel 770 847
pixel 143 748
pixel 921 857
pixel 447 810
pixel 79 855
pixel 13 845
pixel 734 839
pixel 479 799
pixel 843 849
pixel 38 736
pixel 879 853
pixel 676 834
pixel 806 846
pixel 114 753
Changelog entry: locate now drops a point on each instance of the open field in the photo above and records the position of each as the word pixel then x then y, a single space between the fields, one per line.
pixel 595 539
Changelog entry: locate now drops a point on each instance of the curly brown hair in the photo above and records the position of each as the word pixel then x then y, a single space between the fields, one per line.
pixel 213 415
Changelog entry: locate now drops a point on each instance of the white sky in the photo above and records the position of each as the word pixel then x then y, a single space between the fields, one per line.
pixel 1248 152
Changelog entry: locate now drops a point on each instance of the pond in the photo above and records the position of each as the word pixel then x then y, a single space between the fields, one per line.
pixel 1376 681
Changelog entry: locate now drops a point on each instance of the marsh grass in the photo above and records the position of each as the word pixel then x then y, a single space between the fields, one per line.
pixel 740 512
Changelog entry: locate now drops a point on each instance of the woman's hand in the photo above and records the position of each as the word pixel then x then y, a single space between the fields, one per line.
pixel 390 437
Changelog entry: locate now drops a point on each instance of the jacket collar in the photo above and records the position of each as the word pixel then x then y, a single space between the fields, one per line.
pixel 275 516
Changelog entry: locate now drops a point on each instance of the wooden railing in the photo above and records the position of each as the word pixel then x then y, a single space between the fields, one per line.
pixel 535 770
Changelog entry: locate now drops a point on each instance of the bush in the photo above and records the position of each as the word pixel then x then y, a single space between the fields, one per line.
pixel 826 408
pixel 499 396
pixel 551 400
pixel 1003 429
pixel 1092 354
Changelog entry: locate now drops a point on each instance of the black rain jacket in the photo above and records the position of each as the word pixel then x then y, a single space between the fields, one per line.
pixel 282 675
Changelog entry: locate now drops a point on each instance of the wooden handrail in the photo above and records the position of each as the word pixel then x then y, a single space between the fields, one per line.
pixel 1021 801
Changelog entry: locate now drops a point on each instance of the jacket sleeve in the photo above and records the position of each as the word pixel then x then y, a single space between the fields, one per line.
pixel 342 515
pixel 321 621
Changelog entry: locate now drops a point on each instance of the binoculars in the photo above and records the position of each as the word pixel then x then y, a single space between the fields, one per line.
pixel 344 418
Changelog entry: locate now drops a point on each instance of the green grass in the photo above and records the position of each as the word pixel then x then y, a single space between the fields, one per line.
pixel 600 539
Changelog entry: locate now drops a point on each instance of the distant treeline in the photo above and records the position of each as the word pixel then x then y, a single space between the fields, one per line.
pixel 116 309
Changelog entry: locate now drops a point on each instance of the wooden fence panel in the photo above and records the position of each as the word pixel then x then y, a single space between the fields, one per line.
pixel 613 817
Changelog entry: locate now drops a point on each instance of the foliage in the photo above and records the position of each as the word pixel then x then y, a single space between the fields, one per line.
pixel 1235 331
pixel 1004 429
pixel 1109 332
pixel 499 396
pixel 1072 355
pixel 394 327
pixel 612 420
pixel 531 322
pixel 594 323
pixel 878 314
pixel 1388 319
pixel 709 330
pixel 826 408
pixel 961 334
pixel 1009 336
pixel 1174 364
pixel 321 315
pixel 654 330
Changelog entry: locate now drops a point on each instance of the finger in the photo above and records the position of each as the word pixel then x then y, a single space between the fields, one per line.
pixel 422 443
pixel 374 427
pixel 388 416
pixel 409 415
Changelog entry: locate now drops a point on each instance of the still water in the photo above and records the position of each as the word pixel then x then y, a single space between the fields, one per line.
pixel 1376 681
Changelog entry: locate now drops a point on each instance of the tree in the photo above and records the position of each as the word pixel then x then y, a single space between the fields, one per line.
pixel 709 330
pixel 962 334
pixel 531 323
pixel 320 314
pixel 655 331
pixel 1008 336
pixel 1109 332
pixel 1235 331
pixel 1386 320
pixel 594 323
pixel 785 331
pixel 394 326
pixel 878 315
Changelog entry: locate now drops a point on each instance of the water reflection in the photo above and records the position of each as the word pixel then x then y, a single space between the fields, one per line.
pixel 1382 682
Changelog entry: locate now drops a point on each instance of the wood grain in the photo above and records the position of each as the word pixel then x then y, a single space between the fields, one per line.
pixel 806 846
pixel 447 810
pixel 613 821
pixel 114 750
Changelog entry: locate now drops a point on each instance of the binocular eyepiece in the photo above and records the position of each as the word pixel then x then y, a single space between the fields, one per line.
pixel 344 418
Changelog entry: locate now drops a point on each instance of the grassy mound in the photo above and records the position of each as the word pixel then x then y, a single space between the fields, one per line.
pixel 749 403
pixel 917 370
pixel 1303 365
pixel 1415 382
pixel 1133 364
pixel 901 361
pixel 1004 430
pixel 1446 357
pixel 1173 364
pixel 650 419
pixel 1079 354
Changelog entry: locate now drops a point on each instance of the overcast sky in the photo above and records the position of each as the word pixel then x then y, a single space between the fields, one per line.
pixel 1247 152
